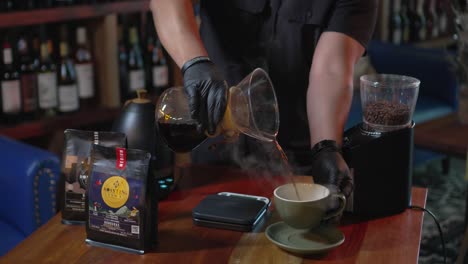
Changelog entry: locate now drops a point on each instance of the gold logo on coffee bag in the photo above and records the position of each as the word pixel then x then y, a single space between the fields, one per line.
pixel 115 191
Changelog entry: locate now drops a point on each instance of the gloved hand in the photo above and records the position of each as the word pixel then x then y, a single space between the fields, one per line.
pixel 207 92
pixel 329 168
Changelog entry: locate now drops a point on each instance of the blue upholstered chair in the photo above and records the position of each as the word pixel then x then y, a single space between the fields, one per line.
pixel 28 180
pixel 433 67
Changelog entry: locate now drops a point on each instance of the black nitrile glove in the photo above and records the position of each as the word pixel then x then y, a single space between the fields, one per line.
pixel 207 92
pixel 329 168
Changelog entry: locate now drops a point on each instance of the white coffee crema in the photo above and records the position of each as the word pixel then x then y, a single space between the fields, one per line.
pixel 307 192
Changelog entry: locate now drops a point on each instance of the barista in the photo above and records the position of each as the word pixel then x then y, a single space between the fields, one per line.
pixel 309 49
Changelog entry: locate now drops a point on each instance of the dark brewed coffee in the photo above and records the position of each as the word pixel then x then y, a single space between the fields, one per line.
pixel 288 171
pixel 181 137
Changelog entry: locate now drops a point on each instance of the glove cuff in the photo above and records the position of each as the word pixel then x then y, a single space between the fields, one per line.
pixel 325 145
pixel 194 61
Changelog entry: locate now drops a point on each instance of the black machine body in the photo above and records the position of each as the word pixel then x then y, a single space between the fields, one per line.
pixel 381 164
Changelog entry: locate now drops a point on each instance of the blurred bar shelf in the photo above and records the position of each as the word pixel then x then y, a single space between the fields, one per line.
pixel 437 43
pixel 45 126
pixel 61 14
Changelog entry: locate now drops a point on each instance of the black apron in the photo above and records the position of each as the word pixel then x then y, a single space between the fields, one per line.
pixel 278 36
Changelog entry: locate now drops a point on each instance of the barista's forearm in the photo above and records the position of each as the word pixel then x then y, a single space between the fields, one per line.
pixel 328 102
pixel 177 29
pixel 330 86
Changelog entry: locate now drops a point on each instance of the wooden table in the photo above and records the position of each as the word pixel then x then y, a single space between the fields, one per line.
pixel 444 135
pixel 394 239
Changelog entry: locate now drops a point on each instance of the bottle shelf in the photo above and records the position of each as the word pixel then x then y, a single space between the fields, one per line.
pixel 45 126
pixel 61 14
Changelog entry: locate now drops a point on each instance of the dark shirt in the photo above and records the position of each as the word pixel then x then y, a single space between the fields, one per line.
pixel 280 36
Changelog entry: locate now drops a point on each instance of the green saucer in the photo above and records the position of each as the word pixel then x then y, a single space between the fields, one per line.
pixel 300 241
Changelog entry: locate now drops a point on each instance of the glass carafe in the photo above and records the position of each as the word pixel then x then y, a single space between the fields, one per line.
pixel 252 109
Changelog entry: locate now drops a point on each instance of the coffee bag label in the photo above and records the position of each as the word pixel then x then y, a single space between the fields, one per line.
pixel 114 205
pixel 121 161
pixel 74 202
pixel 75 188
pixel 115 191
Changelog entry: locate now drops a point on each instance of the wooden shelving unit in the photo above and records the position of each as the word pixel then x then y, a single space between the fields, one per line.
pixel 39 128
pixel 103 18
pixel 62 14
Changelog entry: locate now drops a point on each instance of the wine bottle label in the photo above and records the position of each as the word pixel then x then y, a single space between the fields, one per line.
pixel 11 96
pixel 160 76
pixel 397 33
pixel 47 87
pixel 435 32
pixel 85 76
pixel 443 24
pixel 7 56
pixel 68 98
pixel 137 80
pixel 28 83
pixel 422 33
pixel 406 35
pixel 81 35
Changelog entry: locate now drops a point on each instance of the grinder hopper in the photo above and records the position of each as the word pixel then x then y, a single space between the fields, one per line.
pixel 388 101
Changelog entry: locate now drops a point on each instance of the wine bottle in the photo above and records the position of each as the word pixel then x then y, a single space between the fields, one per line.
pixel 28 79
pixel 150 41
pixel 8 5
pixel 415 21
pixel 68 98
pixel 10 86
pixel 47 78
pixel 36 51
pixel 422 32
pixel 26 4
pixel 405 21
pixel 160 69
pixel 441 9
pixel 135 63
pixel 123 63
pixel 157 60
pixel 396 26
pixel 158 63
pixel 46 3
pixel 64 2
pixel 84 69
pixel 431 18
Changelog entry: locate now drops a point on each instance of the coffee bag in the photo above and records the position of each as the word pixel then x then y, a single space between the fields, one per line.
pixel 76 166
pixel 118 203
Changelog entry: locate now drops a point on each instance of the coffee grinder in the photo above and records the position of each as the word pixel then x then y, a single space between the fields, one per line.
pixel 379 150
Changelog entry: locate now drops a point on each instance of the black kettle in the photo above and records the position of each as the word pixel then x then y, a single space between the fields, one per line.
pixel 136 120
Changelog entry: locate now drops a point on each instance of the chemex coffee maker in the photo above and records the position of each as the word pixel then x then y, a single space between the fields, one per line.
pixel 252 109
pixel 379 150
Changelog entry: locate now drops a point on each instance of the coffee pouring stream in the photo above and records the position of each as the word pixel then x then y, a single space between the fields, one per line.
pixel 252 109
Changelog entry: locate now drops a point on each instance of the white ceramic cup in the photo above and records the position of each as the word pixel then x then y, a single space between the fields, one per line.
pixel 309 209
